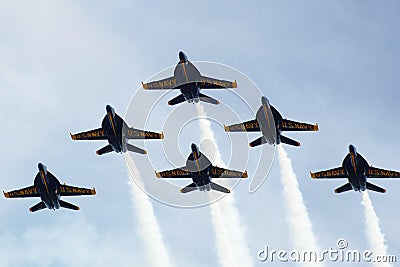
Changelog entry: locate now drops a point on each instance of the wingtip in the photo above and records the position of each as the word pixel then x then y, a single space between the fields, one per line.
pixel 229 191
pixel 298 144
pixel 158 175
pixel 245 175
pixel 316 128
pixel 234 85
pixel 93 191
pixel 312 175
pixel 226 128
pixel 144 152
pixel 218 102
pixel 145 86
pixel 251 145
pixel 98 152
pixel 162 135
pixel 72 136
pixel 6 195
pixel 30 210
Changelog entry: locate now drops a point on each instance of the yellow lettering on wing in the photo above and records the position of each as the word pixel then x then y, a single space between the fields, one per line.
pixel 168 83
pixel 225 84
pixel 23 192
pixel 174 173
pixel 143 134
pixel 227 173
pixel 92 134
pixel 297 125
pixel 330 173
pixel 382 173
pixel 75 190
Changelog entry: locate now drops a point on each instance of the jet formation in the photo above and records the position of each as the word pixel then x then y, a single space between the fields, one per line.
pixel 356 169
pixel 188 79
pixel 270 123
pixel 115 130
pixel 199 168
pixel 50 190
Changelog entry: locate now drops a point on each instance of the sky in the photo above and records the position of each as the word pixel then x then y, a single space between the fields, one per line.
pixel 61 62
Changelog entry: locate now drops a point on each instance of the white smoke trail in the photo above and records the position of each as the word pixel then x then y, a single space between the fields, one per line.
pixel 149 229
pixel 373 230
pixel 225 215
pixel 300 226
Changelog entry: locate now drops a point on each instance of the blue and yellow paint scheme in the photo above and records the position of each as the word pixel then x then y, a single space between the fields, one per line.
pixel 271 124
pixel 356 169
pixel 188 79
pixel 201 171
pixel 50 190
pixel 115 130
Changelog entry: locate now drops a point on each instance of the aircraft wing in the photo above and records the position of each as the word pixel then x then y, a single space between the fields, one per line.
pixel 164 84
pixel 218 172
pixel 332 173
pixel 381 173
pixel 29 191
pixel 67 190
pixel 288 125
pixel 248 126
pixel 132 133
pixel 97 134
pixel 212 83
pixel 175 173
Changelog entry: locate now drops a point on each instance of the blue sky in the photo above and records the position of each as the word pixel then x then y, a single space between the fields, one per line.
pixel 61 62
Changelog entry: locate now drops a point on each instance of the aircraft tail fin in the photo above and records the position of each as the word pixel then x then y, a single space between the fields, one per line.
pixel 176 100
pixel 104 150
pixel 37 207
pixel 375 188
pixel 189 188
pixel 343 188
pixel 208 99
pixel 67 205
pixel 258 141
pixel 289 141
pixel 219 188
pixel 135 149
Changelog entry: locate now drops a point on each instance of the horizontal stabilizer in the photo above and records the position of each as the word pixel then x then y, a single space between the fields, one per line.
pixel 189 188
pixel 344 188
pixel 37 207
pixel 375 188
pixel 67 205
pixel 258 141
pixel 135 149
pixel 219 188
pixel 179 99
pixel 208 99
pixel 289 141
pixel 104 150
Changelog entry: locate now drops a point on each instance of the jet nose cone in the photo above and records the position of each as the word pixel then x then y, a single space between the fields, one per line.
pixel 352 149
pixel 264 100
pixel 109 109
pixel 41 166
pixel 194 147
pixel 182 57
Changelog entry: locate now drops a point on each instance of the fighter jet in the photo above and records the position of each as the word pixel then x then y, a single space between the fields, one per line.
pixel 48 188
pixel 188 79
pixel 356 169
pixel 117 132
pixel 199 168
pixel 271 124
